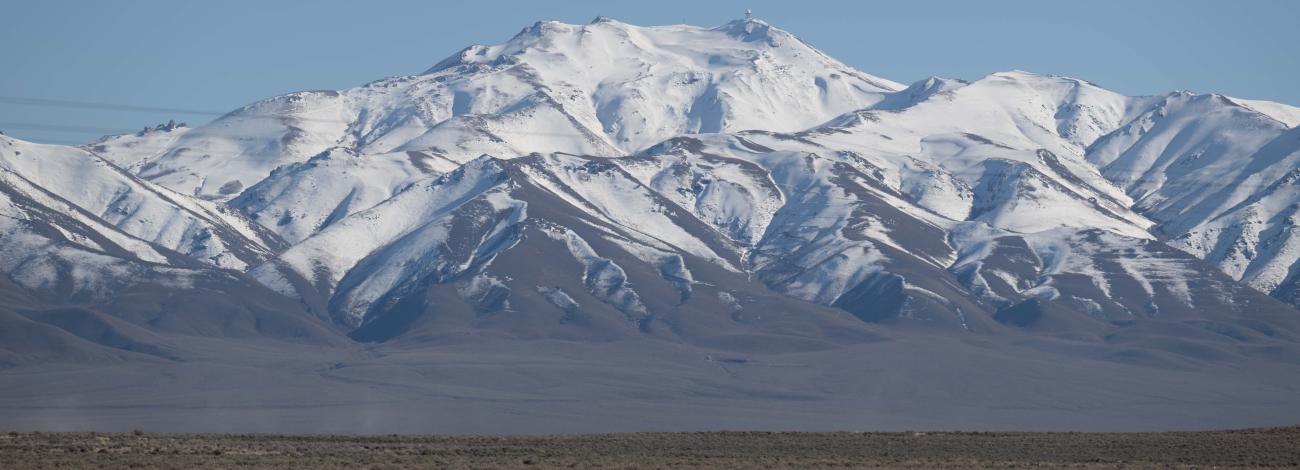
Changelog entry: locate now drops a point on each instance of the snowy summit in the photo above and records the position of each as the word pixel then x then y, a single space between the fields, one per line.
pixel 689 192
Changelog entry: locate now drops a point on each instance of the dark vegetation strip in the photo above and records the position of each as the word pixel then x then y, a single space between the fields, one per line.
pixel 1275 447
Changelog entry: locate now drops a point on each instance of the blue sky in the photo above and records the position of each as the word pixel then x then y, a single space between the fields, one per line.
pixel 220 55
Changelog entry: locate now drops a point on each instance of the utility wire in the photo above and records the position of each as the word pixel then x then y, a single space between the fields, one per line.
pixel 62 128
pixel 95 130
pixel 152 109
pixel 107 106
pixel 102 131
pixel 286 119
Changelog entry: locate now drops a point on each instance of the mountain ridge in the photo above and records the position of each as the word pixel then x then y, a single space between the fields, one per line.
pixel 1085 119
pixel 726 192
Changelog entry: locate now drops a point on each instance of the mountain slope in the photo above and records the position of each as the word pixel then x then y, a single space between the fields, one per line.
pixel 104 194
pixel 816 180
pixel 539 92
pixel 129 151
pixel 684 226
pixel 85 290
pixel 1214 173
pixel 300 199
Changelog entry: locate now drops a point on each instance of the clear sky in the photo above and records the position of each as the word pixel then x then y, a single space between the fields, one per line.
pixel 218 55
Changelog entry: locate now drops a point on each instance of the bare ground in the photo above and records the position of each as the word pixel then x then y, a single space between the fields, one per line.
pixel 1273 447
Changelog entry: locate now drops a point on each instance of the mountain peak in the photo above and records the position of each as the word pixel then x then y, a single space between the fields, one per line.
pixel 1027 75
pixel 750 29
pixel 554 37
pixel 168 126
pixel 1024 76
pixel 918 92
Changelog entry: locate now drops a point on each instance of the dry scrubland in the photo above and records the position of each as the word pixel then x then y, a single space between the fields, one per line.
pixel 1277 447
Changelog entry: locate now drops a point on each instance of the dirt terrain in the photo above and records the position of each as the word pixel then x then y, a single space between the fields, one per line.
pixel 1275 448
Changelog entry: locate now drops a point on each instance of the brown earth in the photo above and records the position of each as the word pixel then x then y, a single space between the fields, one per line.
pixel 1275 447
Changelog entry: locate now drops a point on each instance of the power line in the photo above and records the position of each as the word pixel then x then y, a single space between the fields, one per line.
pixel 101 131
pixel 153 109
pixel 66 142
pixel 114 131
pixel 107 106
pixel 62 128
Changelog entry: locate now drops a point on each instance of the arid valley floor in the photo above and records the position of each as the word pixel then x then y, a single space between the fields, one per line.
pixel 1252 448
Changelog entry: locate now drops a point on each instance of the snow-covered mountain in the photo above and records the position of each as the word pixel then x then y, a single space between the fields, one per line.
pixel 605 88
pixel 1214 171
pixel 96 191
pixel 129 151
pixel 100 265
pixel 717 216
pixel 726 187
